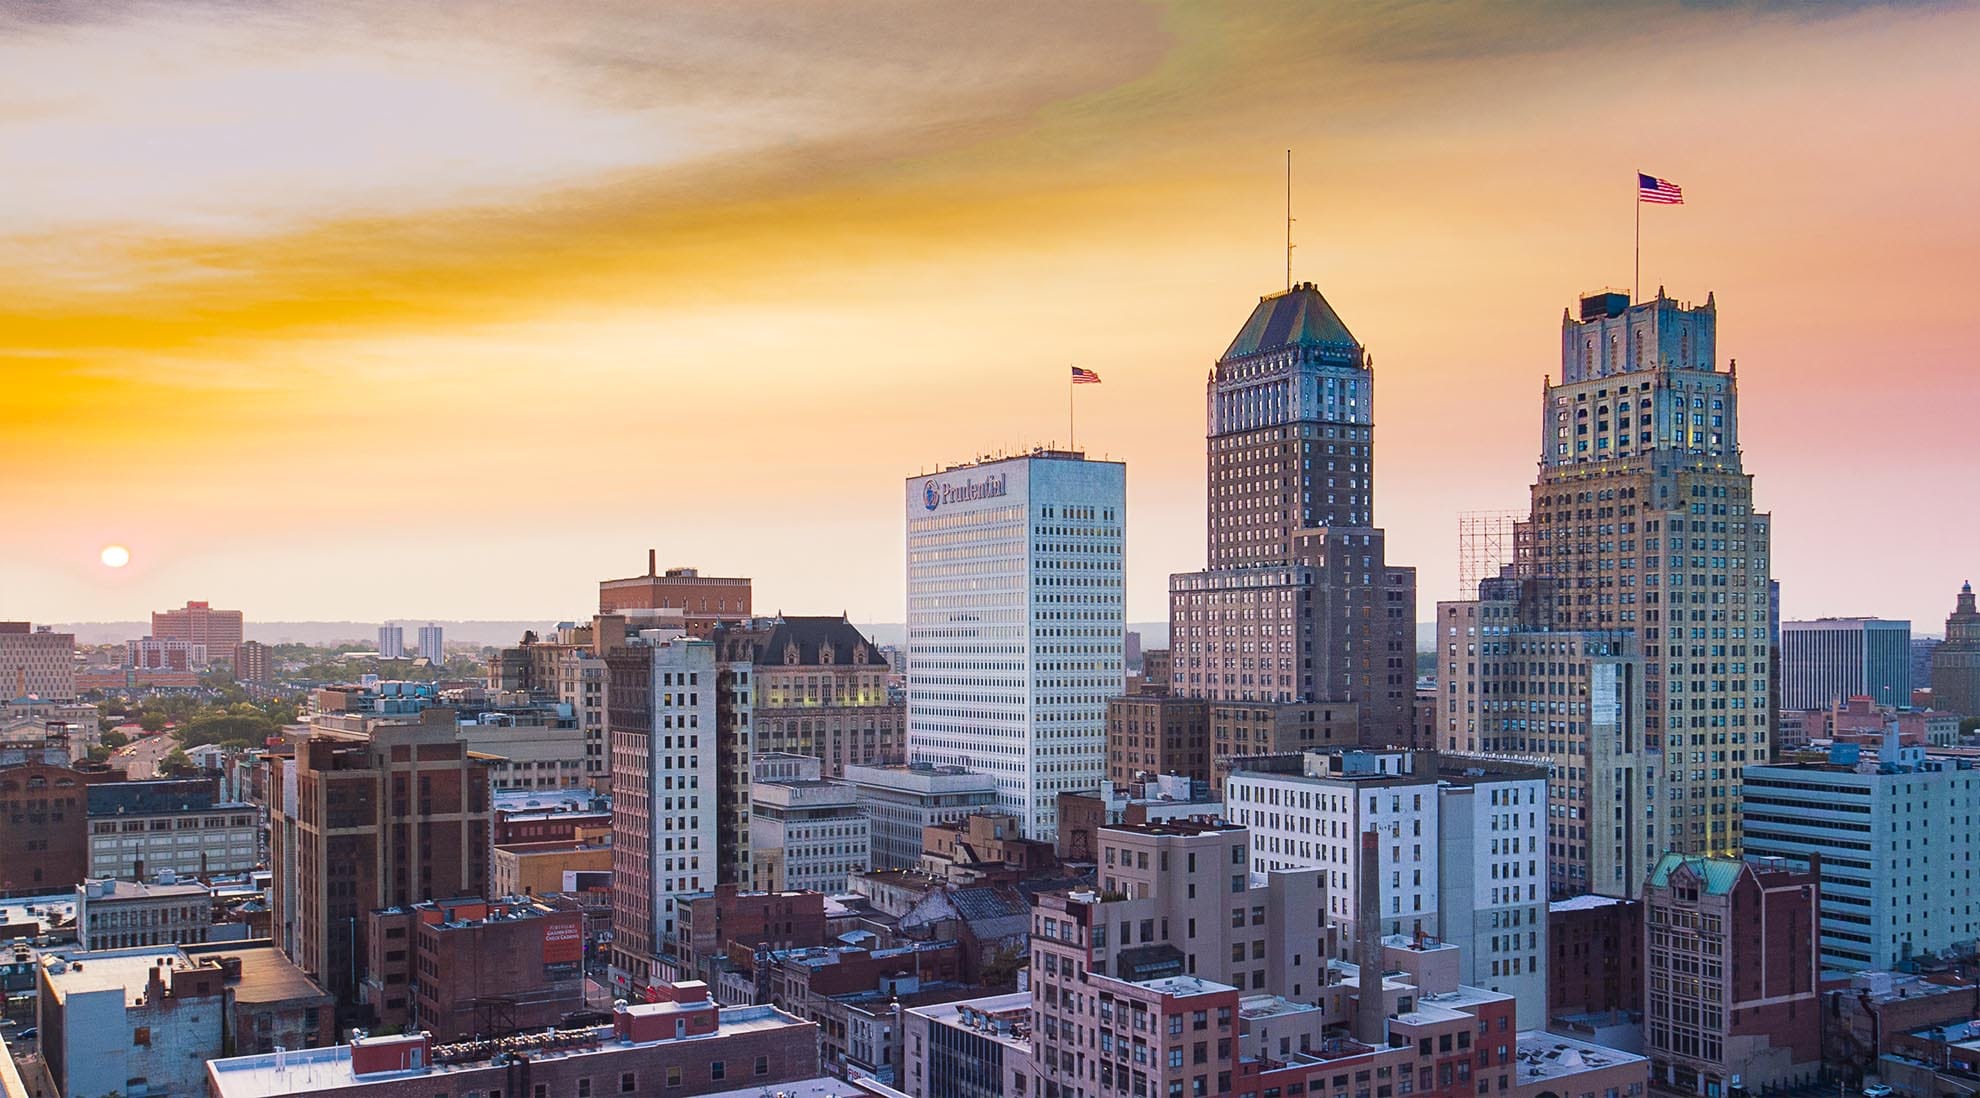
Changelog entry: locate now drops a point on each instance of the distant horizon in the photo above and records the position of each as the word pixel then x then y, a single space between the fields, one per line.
pixel 348 308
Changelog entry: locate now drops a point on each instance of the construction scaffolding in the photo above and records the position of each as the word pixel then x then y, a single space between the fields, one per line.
pixel 1486 544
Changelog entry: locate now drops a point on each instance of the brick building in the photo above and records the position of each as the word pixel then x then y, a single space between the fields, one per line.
pixel 1731 973
pixel 113 914
pixel 219 632
pixel 1150 734
pixel 703 601
pixel 1595 957
pixel 468 967
pixel 681 1044
pixel 46 811
pixel 143 828
pixel 385 819
pixel 534 869
pixel 550 815
pixel 706 925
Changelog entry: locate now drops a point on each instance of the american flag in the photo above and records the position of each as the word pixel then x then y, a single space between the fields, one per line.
pixel 1084 377
pixel 1658 192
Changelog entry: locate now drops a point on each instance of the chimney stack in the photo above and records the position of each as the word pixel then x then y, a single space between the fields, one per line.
pixel 1370 1018
pixel 653 562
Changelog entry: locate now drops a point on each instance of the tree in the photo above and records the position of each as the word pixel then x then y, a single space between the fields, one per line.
pixel 114 739
pixel 152 721
pixel 1968 725
pixel 176 761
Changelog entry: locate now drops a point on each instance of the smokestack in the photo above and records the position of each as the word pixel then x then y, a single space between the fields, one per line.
pixel 653 562
pixel 1370 1019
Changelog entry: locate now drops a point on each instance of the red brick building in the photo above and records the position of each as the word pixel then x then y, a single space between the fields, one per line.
pixel 1595 965
pixel 1731 971
pixel 468 967
pixel 1150 734
pixel 220 631
pixel 386 818
pixel 44 810
pixel 681 1044
pixel 704 601
pixel 706 924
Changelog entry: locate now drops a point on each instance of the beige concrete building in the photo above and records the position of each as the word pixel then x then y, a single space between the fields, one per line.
pixel 534 869
pixel 36 663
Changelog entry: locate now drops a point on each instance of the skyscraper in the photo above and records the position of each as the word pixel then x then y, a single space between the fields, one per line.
pixel 1956 663
pixel 391 641
pixel 1643 523
pixel 1299 633
pixel 1016 621
pixel 1835 659
pixel 199 623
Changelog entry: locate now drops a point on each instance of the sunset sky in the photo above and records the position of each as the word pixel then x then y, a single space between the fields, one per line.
pixel 449 310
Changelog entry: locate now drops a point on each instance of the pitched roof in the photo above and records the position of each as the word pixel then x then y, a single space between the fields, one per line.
pixel 1300 317
pixel 811 636
pixel 1718 875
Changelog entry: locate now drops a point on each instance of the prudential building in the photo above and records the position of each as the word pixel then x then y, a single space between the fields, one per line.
pixel 1016 622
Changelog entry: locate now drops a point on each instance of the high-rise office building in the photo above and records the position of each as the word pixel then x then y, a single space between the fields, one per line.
pixel 1460 856
pixel 198 623
pixel 365 820
pixel 662 704
pixel 251 664
pixel 391 642
pixel 1892 831
pixel 1015 622
pixel 1512 685
pixel 1956 663
pixel 433 644
pixel 1834 659
pixel 1299 633
pixel 1643 523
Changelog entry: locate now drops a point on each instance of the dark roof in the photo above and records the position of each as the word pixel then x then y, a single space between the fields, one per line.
pixel 772 641
pixel 166 795
pixel 980 904
pixel 1300 317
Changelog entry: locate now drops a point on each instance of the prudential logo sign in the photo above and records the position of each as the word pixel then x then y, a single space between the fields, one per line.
pixel 935 493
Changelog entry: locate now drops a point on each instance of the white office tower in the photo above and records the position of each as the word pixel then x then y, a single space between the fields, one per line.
pixel 433 644
pixel 1016 623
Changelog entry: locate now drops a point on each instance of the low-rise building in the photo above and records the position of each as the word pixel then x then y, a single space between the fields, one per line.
pixel 709 924
pixel 140 1023
pixel 139 829
pixel 547 815
pixel 455 968
pixel 900 802
pixel 113 914
pixel 974 1048
pixel 818 828
pixel 679 1044
pixel 577 868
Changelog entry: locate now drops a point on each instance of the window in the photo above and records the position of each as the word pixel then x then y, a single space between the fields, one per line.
pixel 584 1087
pixel 627 1083
pixel 762 1065
pixel 718 1070
pixel 673 1077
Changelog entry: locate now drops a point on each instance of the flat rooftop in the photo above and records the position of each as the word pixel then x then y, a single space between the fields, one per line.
pixel 1543 1055
pixel 1014 1007
pixel 271 1075
pixel 1584 903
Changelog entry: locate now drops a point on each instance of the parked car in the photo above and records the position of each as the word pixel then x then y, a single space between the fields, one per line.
pixel 29 1034
pixel 1877 1090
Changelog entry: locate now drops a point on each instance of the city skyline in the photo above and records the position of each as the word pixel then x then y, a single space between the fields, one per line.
pixel 256 360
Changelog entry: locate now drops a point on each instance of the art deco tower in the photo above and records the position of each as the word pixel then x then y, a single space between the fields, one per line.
pixel 1643 524
pixel 1299 632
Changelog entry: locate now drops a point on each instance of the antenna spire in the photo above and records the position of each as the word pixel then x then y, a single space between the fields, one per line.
pixel 1289 220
